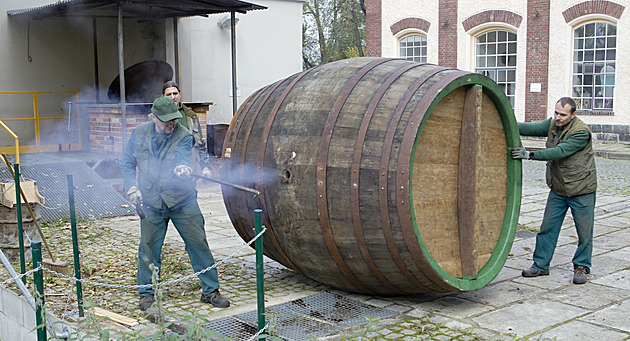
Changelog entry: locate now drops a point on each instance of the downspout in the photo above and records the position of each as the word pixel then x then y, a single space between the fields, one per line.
pixel 233 31
pixel 121 77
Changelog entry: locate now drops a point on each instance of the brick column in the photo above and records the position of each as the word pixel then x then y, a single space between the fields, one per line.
pixel 447 33
pixel 373 23
pixel 537 68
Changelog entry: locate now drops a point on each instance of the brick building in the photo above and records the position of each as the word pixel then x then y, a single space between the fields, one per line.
pixel 536 50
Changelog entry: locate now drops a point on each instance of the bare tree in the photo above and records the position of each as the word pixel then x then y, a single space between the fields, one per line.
pixel 333 30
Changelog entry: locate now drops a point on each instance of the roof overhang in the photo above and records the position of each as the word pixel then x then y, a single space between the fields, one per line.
pixel 140 9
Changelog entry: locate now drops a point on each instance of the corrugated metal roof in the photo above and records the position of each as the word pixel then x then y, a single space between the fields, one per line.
pixel 141 9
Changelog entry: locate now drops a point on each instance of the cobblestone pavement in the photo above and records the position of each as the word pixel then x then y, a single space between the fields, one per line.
pixel 509 308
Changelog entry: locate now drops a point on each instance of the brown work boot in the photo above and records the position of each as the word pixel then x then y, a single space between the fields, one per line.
pixel 579 275
pixel 146 302
pixel 215 299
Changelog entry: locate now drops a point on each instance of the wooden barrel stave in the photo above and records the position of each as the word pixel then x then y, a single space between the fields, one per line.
pixel 383 260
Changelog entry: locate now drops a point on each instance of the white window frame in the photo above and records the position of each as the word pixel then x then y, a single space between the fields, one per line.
pixel 407 33
pixel 583 75
pixel 500 74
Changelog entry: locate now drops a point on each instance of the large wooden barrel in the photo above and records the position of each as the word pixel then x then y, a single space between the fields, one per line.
pixel 379 176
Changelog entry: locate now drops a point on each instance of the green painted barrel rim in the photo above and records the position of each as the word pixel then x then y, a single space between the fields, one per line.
pixel 514 187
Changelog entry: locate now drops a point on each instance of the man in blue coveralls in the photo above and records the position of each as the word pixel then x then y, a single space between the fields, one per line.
pixel 161 151
pixel 572 177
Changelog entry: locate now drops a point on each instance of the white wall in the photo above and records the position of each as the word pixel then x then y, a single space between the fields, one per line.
pixel 560 46
pixel 269 48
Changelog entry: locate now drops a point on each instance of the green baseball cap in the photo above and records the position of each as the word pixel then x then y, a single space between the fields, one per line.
pixel 165 109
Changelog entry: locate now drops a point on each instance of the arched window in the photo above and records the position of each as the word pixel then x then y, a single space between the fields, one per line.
pixel 495 53
pixel 594 55
pixel 414 47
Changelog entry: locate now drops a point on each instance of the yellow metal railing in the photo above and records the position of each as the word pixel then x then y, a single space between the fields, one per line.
pixel 17 142
pixel 36 121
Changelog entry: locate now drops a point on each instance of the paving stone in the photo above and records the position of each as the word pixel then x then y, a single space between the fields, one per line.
pixel 502 294
pixel 590 296
pixel 578 330
pixel 616 316
pixel 456 307
pixel 529 317
pixel 556 279
pixel 619 279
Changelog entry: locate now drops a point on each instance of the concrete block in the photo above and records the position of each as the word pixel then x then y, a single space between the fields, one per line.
pixel 29 319
pixel 621 129
pixel 12 306
pixel 595 128
pixel 11 330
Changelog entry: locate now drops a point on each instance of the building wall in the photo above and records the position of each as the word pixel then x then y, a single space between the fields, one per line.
pixel 61 51
pixel 544 31
pixel 268 48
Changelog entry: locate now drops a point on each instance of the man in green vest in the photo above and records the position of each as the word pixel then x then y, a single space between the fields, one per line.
pixel 572 177
pixel 190 120
pixel 160 151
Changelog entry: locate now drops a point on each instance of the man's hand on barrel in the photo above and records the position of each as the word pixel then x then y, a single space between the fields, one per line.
pixel 519 153
pixel 134 195
pixel 183 171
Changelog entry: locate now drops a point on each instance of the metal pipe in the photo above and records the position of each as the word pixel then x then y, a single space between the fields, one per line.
pixel 121 77
pixel 75 245
pixel 234 86
pixel 176 47
pixel 239 187
pixel 38 277
pixel 95 43
pixel 260 277
pixel 18 203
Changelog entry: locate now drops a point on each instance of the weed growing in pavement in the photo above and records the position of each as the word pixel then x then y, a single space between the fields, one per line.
pixel 527 228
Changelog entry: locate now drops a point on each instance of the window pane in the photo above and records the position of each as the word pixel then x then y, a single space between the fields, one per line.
pixel 496 58
pixel 579 32
pixel 600 55
pixel 612 30
pixel 589 43
pixel 610 54
pixel 589 30
pixel 511 47
pixel 492 49
pixel 492 36
pixel 612 42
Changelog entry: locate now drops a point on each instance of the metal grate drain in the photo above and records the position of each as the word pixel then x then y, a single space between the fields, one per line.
pixel 93 196
pixel 310 317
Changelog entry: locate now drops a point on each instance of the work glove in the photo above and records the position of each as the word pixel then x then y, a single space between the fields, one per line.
pixel 134 195
pixel 519 153
pixel 183 171
pixel 206 171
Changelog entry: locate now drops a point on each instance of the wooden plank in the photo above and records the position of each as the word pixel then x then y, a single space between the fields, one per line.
pixel 469 163
pixel 127 321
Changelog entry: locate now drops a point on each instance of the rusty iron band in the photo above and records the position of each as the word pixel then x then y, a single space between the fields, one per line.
pixel 402 190
pixel 355 174
pixel 384 175
pixel 322 160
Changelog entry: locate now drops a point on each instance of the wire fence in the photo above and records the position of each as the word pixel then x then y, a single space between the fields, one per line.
pixel 155 285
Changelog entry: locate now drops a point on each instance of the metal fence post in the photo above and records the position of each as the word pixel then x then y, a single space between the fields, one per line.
pixel 260 278
pixel 38 277
pixel 18 212
pixel 75 245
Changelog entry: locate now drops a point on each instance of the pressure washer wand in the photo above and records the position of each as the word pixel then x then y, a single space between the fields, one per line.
pixel 239 187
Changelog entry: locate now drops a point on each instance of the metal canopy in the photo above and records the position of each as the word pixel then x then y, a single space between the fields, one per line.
pixel 140 9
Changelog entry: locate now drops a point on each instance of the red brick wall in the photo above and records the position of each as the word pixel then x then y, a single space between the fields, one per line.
pixel 492 16
pixel 447 32
pixel 537 67
pixel 373 39
pixel 106 129
pixel 593 7
pixel 406 23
